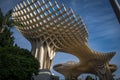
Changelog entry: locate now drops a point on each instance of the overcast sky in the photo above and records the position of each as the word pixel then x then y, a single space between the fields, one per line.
pixel 101 22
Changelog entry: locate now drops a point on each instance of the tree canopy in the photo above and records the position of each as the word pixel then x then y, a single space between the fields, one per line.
pixel 15 63
pixel 88 78
pixel 6 38
pixel 5 20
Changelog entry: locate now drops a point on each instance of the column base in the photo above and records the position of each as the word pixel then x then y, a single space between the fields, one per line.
pixel 45 74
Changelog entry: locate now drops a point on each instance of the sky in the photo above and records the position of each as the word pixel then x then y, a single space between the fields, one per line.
pixel 101 22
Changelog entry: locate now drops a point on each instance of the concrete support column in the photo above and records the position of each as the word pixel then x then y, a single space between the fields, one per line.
pixel 43 52
pixel 33 44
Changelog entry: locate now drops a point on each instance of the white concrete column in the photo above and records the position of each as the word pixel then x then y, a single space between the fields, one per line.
pixel 44 53
pixel 33 47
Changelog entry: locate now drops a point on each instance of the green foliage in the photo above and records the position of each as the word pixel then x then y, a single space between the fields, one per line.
pixel 1 17
pixel 88 78
pixel 5 20
pixel 17 64
pixel 6 38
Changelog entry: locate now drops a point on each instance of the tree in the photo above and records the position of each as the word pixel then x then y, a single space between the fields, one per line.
pixel 17 64
pixel 88 78
pixel 5 20
pixel 6 38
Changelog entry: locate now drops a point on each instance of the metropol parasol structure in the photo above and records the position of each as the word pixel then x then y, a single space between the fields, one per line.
pixel 50 28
